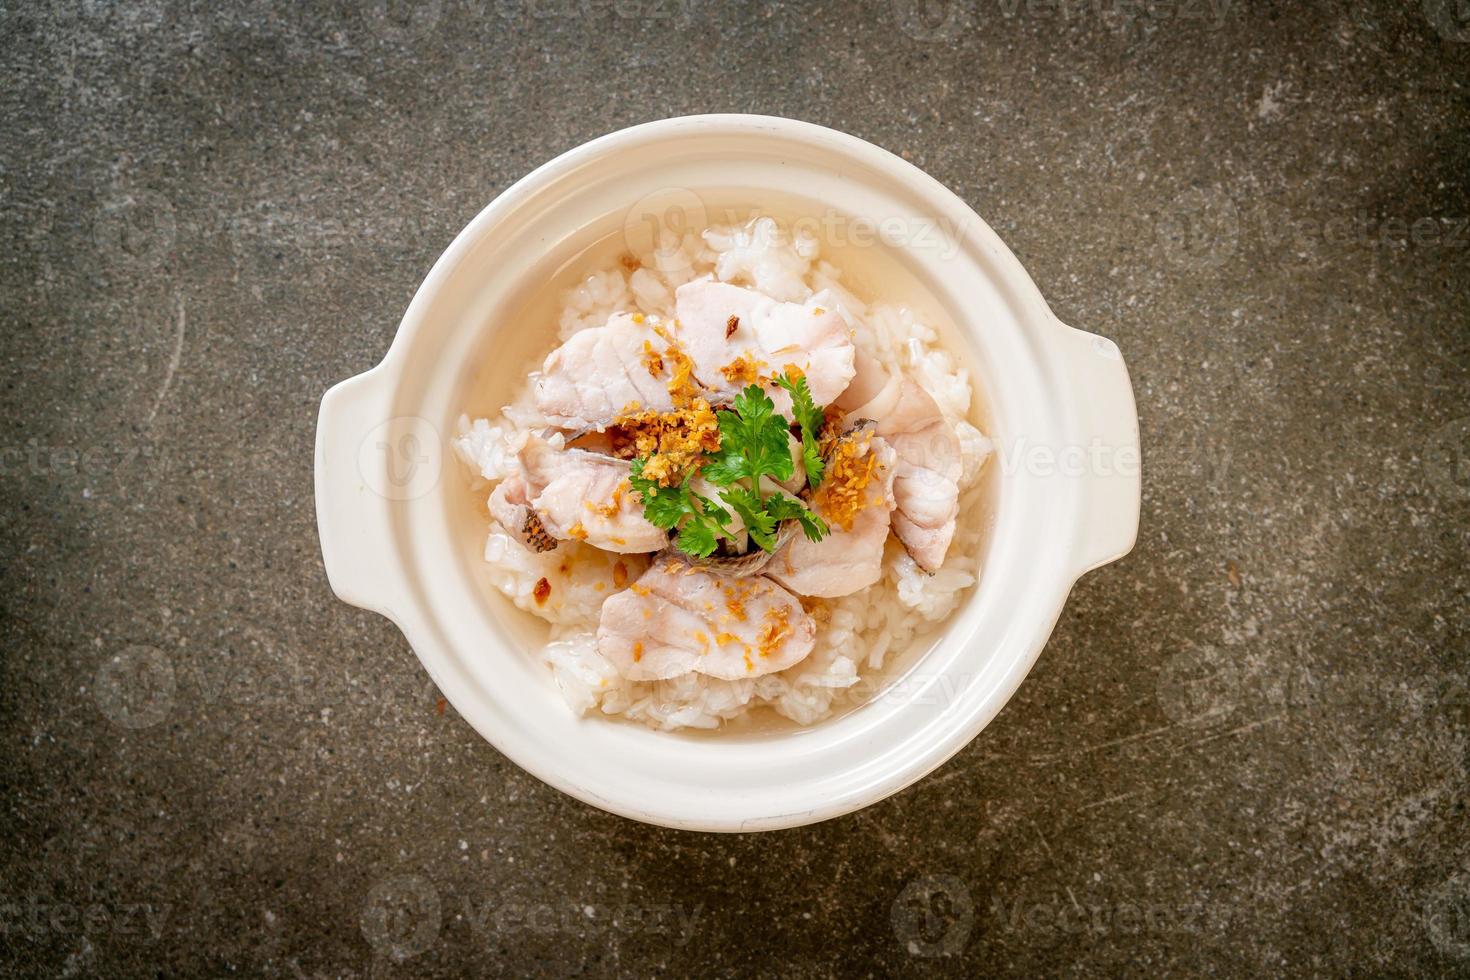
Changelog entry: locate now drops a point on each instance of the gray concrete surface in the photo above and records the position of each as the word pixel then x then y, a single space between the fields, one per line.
pixel 1244 752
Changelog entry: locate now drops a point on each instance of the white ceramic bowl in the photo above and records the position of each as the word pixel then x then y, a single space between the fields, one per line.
pixel 398 537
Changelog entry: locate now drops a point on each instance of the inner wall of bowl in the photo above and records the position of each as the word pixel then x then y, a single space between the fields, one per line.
pixel 874 270
pixel 474 294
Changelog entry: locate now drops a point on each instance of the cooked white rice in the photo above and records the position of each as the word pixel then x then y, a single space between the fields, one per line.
pixel 863 629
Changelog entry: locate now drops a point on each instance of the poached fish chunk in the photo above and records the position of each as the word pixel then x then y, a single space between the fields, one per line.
pixel 510 505
pixel 565 586
pixel 676 619
pixel 734 335
pixel 597 374
pixel 581 496
pixel 926 489
pixel 850 557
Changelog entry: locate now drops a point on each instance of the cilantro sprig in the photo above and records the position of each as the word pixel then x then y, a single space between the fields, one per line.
pixel 753 448
pixel 700 521
pixel 784 508
pixel 752 442
pixel 811 418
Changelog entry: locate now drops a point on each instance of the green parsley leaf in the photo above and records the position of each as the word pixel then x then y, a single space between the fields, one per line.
pixel 752 442
pixel 728 465
pixel 697 538
pixel 754 405
pixel 759 523
pixel 811 417
pixel 811 458
pixel 714 510
pixel 808 413
pixel 784 508
pixel 813 526
pixel 663 506
pixel 700 521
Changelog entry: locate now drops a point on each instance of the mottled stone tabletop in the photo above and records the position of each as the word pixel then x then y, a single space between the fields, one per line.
pixel 1243 752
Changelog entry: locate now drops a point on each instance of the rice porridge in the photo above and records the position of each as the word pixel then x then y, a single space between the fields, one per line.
pixel 729 484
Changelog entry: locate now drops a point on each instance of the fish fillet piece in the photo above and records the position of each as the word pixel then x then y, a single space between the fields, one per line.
pixel 580 496
pixel 847 559
pixel 873 391
pixel 926 489
pixel 720 324
pixel 676 619
pixel 510 505
pixel 589 380
pixel 566 586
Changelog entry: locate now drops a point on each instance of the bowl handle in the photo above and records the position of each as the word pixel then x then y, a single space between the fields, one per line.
pixel 355 496
pixel 1112 474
